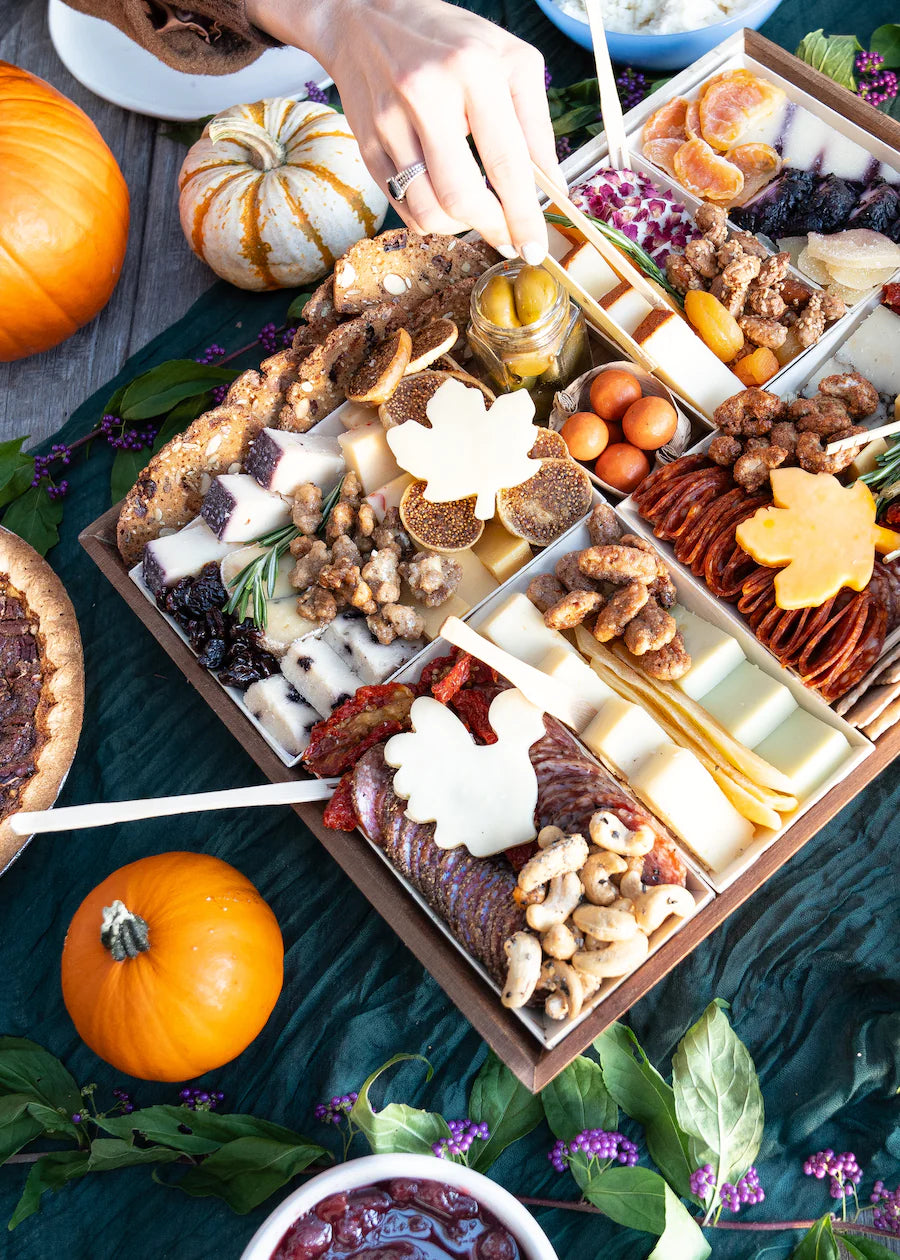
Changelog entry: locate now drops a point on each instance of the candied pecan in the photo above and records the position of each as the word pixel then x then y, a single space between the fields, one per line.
pixel 711 220
pixel 317 605
pixel 724 450
pixel 749 244
pixel 306 512
pixel 811 451
pixel 784 434
pixel 663 591
pixel 763 332
pixel 572 609
pixel 545 590
pixel 650 630
pixel 615 616
pixel 433 578
pixel 603 526
pixel 765 302
pixel 669 662
pixel 382 572
pixel 635 540
pixel 752 469
pixel 858 395
pixel 749 413
pixel 821 415
pixel 570 574
pixel 701 254
pixel 309 565
pixel 681 275
pixel 773 270
pixel 811 324
pixel 615 563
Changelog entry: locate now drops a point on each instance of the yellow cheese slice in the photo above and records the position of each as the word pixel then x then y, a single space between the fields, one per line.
pixel 518 627
pixel 367 453
pixel 685 362
pixel 434 618
pixel 501 553
pixel 714 653
pixel 476 582
pixel 623 735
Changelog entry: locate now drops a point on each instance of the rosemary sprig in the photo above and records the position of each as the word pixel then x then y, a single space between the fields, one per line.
pixel 885 476
pixel 328 505
pixel 629 248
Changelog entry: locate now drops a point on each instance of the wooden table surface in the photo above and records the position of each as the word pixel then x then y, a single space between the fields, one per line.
pixel 161 277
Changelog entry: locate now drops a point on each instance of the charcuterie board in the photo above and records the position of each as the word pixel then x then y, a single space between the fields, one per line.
pixel 702 735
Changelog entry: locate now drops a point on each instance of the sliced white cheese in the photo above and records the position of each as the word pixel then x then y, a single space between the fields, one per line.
pixel 871 350
pixel 626 306
pixel 367 453
pixel 281 712
pixel 238 509
pixel 806 750
pixel 476 582
pixel 518 627
pixel 624 735
pixel 749 703
pixel 389 496
pixel 714 653
pixel 284 626
pixel 589 268
pixel 867 459
pixel 282 461
pixel 168 560
pixel 673 783
pixel 236 561
pixel 574 672
pixel 501 553
pixel 686 362
pixel 434 618
pixel 372 661
pixel 321 677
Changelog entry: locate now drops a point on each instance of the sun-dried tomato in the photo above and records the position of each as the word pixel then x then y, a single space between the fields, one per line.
pixel 339 812
pixel 892 515
pixel 519 854
pixel 473 707
pixel 373 714
pixel 434 671
pixel 454 680
pixel 890 296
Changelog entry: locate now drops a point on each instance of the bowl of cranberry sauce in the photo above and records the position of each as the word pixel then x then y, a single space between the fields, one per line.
pixel 400 1207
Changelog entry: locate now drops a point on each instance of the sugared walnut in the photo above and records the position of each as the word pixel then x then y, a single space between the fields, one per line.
pixel 345 548
pixel 812 457
pixel 351 489
pixel 825 416
pixel 724 449
pixel 767 303
pixel 382 572
pixel 603 526
pixel 340 575
pixel 317 605
pixel 650 630
pixel 763 332
pixel 310 564
pixel 366 519
pixel 750 413
pixel 833 307
pixel 306 512
pixel 391 533
pixel 773 270
pixel 728 253
pixel 615 616
pixel 858 395
pixel 572 609
pixel 396 621
pixel 545 590
pixel 663 591
pixel 784 434
pixel 752 469
pixel 341 521
pixel 749 244
pixel 432 578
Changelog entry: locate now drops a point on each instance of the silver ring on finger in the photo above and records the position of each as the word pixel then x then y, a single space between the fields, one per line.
pixel 398 183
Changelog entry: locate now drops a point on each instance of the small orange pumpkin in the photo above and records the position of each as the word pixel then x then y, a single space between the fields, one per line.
pixel 172 966
pixel 63 216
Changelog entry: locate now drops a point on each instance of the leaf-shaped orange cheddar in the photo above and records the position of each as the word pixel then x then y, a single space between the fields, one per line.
pixel 825 534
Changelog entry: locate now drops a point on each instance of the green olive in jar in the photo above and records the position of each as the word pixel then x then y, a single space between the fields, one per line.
pixel 499 303
pixel 535 292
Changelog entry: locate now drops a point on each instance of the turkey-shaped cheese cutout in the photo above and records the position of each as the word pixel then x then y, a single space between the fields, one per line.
pixel 482 797
pixel 468 450
pixel 825 534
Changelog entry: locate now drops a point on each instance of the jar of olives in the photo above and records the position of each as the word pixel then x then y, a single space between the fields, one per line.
pixel 527 333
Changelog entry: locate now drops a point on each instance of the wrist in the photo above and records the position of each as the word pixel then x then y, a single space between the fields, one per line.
pixel 306 24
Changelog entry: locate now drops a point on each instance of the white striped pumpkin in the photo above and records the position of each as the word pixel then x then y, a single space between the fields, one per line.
pixel 272 193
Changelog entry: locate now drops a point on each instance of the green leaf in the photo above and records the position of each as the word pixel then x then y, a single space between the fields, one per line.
pixel 717 1096
pixel 51 1172
pixel 16 470
pixel 126 468
pixel 510 1110
pixel 247 1171
pixel 178 419
pixel 578 1099
pixel 108 1154
pixel 156 392
pixel 834 55
pixel 574 119
pixel 186 133
pixel 862 1247
pixel 638 1198
pixel 28 1069
pixel 35 517
pixel 295 310
pixel 819 1244
pixel 207 1130
pixel 886 40
pixel 642 1093
pixel 114 402
pixel 397 1127
pixel 17 1126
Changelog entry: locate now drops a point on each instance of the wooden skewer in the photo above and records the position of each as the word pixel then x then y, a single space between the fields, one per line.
pixel 610 105
pixel 106 814
pixel 863 439
pixel 599 316
pixel 548 694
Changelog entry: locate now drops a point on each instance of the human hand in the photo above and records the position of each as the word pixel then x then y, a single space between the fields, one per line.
pixel 416 78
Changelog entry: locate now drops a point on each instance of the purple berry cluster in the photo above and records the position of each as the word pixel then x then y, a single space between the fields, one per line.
pixel 548 78
pixel 122 439
pixel 316 94
pixel 334 1111
pixel 747 1191
pixel 563 147
pixel 632 86
pixel 887 1211
pixel 597 1144
pixel 124 1101
pixel 42 466
pixel 200 1099
pixel 844 1171
pixel 874 84
pixel 268 338
pixel 462 1134
pixel 218 394
pixel 211 353
pixel 703 1181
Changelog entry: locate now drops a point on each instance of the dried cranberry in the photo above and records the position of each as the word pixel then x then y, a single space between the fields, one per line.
pixel 445 1200
pixel 213 654
pixel 307 1239
pixel 497 1244
pixel 332 1209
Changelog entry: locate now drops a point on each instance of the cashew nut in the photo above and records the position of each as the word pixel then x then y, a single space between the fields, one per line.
pixel 617 959
pixel 566 990
pixel 625 904
pixel 559 858
pixel 532 898
pixel 524 953
pixel 605 925
pixel 652 908
pixel 560 941
pixel 609 832
pixel 563 896
pixel 611 862
pixel 631 885
pixel 598 887
pixel 549 835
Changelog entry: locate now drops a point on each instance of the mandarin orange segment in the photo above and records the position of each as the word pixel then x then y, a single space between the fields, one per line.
pixel 706 173
pixel 667 122
pixel 692 121
pixel 758 163
pixel 739 75
pixel 662 153
pixel 729 109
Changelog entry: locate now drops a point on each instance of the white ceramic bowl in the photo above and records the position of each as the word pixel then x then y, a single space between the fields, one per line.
pixel 533 1242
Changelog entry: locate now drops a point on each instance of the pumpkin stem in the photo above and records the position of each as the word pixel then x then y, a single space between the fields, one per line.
pixel 265 150
pixel 124 934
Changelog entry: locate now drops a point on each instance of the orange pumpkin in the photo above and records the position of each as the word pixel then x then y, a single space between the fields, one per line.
pixel 172 966
pixel 63 216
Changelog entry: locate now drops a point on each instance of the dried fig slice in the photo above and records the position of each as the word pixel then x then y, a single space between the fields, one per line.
pixel 548 444
pixel 435 339
pixel 376 379
pixel 442 527
pixel 547 504
pixel 411 397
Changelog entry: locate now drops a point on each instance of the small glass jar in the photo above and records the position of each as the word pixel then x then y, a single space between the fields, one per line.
pixel 541 357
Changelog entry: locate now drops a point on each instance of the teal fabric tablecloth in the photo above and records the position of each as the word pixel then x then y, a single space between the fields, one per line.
pixel 810 964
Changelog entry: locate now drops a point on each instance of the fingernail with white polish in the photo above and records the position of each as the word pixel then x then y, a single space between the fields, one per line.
pixel 533 253
pixel 508 251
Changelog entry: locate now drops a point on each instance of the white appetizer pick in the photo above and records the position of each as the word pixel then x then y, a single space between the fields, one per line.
pixel 482 797
pixel 469 450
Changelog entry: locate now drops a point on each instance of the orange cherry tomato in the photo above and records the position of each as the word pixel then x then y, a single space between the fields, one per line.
pixel 585 434
pixel 622 466
pixel 650 423
pixel 613 392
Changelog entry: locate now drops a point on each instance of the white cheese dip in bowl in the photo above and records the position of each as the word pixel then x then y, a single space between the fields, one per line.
pixel 659 34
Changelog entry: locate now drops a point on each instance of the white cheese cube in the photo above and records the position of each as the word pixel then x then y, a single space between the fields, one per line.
pixel 168 560
pixel 714 653
pixel 867 459
pixel 557 244
pixel 372 661
pixel 575 673
pixel 518 627
pixel 367 453
pixel 686 362
pixel 476 582
pixel 806 749
pixel 238 509
pixel 281 711
pixel 590 270
pixel 501 553
pixel 321 677
pixel 434 618
pixel 673 783
pixel 749 703
pixel 389 496
pixel 624 735
pixel 354 415
pixel 284 626
pixel 236 561
pixel 282 461
pixel 626 306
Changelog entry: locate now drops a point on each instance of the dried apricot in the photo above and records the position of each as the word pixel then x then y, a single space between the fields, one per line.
pixel 667 122
pixel 706 173
pixel 718 328
pixel 758 163
pixel 757 367
pixel 662 154
pixel 730 108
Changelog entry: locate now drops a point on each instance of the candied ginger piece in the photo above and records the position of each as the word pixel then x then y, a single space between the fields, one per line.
pixel 667 122
pixel 730 108
pixel 758 163
pixel 706 173
pixel 856 247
